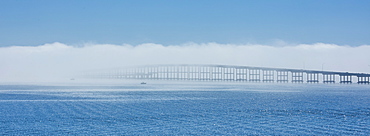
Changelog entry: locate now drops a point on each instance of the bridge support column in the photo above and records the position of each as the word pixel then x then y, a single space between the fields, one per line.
pixel 170 73
pixel 187 72
pixel 268 75
pixel 174 72
pixel 160 73
pixel 363 79
pixel 241 74
pixel 184 73
pixel 128 73
pixel 345 79
pixel 204 73
pixel 134 73
pixel 193 73
pixel 216 74
pixel 312 77
pixel 120 74
pixel 156 71
pixel 229 74
pixel 328 78
pixel 179 73
pixel 297 77
pixel 254 75
pixel 140 73
pixel 167 73
pixel 197 72
pixel 137 73
pixel 282 76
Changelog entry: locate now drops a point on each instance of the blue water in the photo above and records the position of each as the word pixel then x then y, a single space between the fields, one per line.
pixel 186 109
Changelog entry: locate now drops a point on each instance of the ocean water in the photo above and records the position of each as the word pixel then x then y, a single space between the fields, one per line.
pixel 185 109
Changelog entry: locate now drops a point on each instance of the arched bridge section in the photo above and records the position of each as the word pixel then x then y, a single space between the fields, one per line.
pixel 230 73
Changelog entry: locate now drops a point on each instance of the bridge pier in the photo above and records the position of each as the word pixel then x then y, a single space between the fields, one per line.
pixel 117 74
pixel 170 73
pixel 163 73
pixel 297 77
pixel 312 77
pixel 216 74
pixel 282 76
pixel 156 72
pixel 363 80
pixel 196 73
pixel 268 75
pixel 203 73
pixel 135 72
pixel 192 73
pixel 328 78
pixel 143 73
pixel 125 73
pixel 254 75
pixel 345 79
pixel 229 74
pixel 175 73
pixel 180 73
pixel 241 74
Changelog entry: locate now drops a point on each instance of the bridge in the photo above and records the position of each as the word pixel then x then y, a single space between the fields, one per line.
pixel 230 73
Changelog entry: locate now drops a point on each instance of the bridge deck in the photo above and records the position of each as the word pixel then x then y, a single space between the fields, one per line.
pixel 229 73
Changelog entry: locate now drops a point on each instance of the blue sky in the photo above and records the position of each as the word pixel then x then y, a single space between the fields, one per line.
pixel 174 22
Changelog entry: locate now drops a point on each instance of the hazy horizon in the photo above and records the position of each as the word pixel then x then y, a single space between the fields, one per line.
pixel 57 60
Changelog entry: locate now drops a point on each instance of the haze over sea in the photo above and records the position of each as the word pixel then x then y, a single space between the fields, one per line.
pixel 185 108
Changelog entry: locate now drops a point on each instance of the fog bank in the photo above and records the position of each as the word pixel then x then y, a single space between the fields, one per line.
pixel 58 60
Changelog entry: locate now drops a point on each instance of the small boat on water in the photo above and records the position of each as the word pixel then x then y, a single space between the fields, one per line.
pixel 143 83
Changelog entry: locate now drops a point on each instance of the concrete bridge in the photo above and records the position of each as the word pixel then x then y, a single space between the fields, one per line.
pixel 230 73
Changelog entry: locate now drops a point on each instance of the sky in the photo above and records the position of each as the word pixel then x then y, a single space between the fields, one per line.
pixel 41 39
pixel 174 22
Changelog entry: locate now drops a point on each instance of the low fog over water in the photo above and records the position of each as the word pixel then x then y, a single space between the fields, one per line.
pixel 61 61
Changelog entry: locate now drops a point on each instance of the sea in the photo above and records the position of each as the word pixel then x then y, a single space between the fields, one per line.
pixel 185 108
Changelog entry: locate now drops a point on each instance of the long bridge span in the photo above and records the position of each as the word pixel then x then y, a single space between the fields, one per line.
pixel 230 73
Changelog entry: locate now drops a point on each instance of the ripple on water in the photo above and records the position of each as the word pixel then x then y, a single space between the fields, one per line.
pixel 236 111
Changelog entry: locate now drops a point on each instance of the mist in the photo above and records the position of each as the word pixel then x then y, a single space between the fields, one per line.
pixel 62 61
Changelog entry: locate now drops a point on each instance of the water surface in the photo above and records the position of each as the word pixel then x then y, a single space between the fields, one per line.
pixel 185 109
